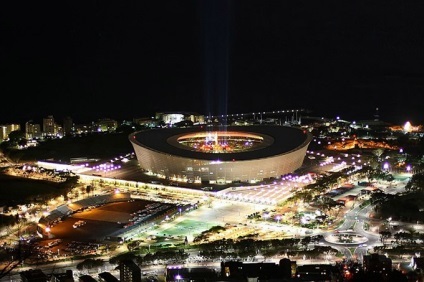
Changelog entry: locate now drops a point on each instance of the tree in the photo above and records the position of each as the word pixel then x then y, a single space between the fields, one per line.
pixel 378 153
pixel 22 142
pixel 384 235
pixel 403 236
pixel 305 242
pixel 88 189
pixel 90 263
pixel 125 128
pixel 121 257
pixel 19 252
pixel 416 183
pixel 16 136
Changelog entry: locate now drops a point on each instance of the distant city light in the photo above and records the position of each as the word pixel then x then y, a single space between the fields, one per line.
pixel 407 126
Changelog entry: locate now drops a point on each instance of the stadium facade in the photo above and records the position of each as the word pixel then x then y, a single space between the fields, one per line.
pixel 232 154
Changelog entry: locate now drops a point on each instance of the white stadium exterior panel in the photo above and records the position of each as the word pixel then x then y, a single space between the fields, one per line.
pixel 284 150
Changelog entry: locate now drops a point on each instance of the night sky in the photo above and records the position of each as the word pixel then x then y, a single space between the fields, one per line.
pixel 125 59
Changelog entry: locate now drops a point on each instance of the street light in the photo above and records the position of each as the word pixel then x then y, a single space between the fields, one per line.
pixel 278 218
pixel 386 166
pixel 48 231
pixel 389 222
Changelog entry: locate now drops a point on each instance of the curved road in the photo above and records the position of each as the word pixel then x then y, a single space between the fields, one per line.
pixel 354 222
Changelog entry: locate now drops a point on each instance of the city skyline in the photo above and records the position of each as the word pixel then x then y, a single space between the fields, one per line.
pixel 212 57
pixel 286 116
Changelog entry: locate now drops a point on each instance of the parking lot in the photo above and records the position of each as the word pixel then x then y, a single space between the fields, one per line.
pixel 100 223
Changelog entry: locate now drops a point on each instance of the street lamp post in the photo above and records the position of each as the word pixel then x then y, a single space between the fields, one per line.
pixel 48 231
pixel 278 219
pixel 386 166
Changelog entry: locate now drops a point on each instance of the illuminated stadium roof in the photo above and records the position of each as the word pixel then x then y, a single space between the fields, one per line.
pixel 264 141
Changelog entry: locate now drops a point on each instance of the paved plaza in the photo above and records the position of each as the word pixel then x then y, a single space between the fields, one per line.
pixel 219 212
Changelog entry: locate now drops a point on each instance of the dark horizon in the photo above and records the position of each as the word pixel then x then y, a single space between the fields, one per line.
pixel 125 60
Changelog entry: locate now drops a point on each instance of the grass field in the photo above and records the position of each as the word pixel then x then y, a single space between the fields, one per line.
pixel 185 227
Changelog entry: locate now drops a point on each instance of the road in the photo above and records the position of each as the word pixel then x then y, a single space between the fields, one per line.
pixel 355 220
pixel 353 225
pixel 222 211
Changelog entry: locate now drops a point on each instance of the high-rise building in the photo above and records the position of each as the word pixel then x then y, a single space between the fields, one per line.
pixel 49 126
pixel 129 271
pixel 5 130
pixel 68 126
pixel 32 130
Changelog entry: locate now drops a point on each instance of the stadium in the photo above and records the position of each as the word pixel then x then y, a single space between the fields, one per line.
pixel 221 155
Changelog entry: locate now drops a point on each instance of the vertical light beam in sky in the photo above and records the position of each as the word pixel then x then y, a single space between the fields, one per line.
pixel 215 28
